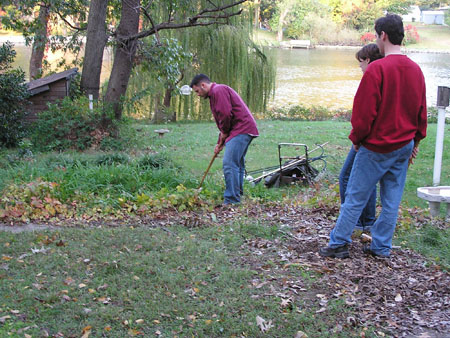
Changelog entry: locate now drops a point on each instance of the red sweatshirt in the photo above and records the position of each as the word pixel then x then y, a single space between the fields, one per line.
pixel 389 109
pixel 230 112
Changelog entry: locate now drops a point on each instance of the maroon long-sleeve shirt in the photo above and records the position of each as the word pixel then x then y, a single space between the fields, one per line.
pixel 389 109
pixel 230 112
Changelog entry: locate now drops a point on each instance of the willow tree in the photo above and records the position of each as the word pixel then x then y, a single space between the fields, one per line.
pixel 226 53
pixel 177 15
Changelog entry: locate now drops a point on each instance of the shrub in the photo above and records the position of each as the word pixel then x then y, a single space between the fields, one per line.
pixel 301 113
pixel 159 160
pixel 113 159
pixel 368 38
pixel 70 124
pixel 13 95
pixel 411 35
pixel 433 115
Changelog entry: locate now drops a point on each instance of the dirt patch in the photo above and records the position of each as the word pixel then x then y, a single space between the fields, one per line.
pixel 25 227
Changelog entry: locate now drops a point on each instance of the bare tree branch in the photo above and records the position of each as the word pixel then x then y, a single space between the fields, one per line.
pixel 195 20
pixel 153 24
pixel 68 23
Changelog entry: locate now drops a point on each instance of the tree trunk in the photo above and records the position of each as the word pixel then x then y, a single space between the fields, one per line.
pixel 257 13
pixel 159 115
pixel 284 12
pixel 40 40
pixel 123 56
pixel 166 103
pixel 95 45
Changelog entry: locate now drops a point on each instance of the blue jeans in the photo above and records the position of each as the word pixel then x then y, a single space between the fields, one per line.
pixel 368 169
pixel 367 217
pixel 234 167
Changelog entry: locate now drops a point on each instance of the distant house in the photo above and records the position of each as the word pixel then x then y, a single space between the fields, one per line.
pixel 49 89
pixel 413 14
pixel 433 17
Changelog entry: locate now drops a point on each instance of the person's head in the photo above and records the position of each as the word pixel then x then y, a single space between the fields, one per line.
pixel 390 29
pixel 367 54
pixel 201 84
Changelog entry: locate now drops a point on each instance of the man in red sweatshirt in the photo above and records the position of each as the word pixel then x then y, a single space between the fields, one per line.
pixel 237 129
pixel 389 119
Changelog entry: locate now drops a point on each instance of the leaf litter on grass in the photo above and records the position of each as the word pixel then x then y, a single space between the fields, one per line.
pixel 401 296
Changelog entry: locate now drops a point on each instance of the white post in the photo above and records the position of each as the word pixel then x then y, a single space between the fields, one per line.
pixel 91 102
pixel 443 95
pixel 439 147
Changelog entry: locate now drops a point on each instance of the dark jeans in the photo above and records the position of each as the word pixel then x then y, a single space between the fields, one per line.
pixel 367 217
pixel 234 167
pixel 370 168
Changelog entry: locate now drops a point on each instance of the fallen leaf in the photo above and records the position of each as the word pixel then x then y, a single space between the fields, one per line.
pixel 263 325
pixel 322 309
pixel 86 331
pixel 4 318
pixel 398 298
pixel 300 334
pixel 285 302
pixel 139 321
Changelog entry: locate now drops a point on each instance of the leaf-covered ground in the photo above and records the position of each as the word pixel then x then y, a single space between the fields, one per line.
pixel 403 296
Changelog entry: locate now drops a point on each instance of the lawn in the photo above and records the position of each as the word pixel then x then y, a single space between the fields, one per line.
pixel 107 268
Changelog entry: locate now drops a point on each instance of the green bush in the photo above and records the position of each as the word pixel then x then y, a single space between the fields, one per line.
pixel 70 124
pixel 433 115
pixel 13 95
pixel 159 160
pixel 301 113
pixel 113 159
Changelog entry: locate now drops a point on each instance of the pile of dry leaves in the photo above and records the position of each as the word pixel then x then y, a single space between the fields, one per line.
pixel 402 296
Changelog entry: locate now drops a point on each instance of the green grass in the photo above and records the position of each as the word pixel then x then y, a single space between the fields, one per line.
pixel 263 152
pixel 177 281
pixel 125 282
pixel 189 148
pixel 429 241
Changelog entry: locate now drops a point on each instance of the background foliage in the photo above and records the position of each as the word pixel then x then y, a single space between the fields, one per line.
pixel 13 95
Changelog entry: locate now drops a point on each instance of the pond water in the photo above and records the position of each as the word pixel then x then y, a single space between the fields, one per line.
pixel 326 77
pixel 330 77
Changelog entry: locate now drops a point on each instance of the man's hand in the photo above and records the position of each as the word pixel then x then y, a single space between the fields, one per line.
pixel 356 147
pixel 218 148
pixel 221 144
pixel 414 153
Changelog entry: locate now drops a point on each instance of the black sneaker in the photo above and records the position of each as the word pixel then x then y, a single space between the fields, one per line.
pixel 339 252
pixel 368 251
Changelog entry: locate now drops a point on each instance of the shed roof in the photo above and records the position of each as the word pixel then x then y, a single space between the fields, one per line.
pixel 32 85
pixel 433 13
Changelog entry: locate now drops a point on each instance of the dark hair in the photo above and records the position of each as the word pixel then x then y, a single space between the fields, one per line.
pixel 370 52
pixel 392 25
pixel 199 79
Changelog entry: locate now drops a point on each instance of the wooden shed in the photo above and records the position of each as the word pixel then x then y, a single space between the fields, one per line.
pixel 49 89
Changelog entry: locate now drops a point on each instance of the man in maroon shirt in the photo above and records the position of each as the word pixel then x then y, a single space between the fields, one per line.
pixel 389 119
pixel 237 129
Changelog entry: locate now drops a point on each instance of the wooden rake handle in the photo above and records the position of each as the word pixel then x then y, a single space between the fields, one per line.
pixel 207 169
